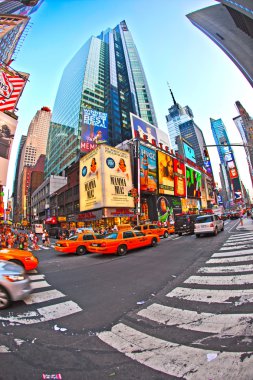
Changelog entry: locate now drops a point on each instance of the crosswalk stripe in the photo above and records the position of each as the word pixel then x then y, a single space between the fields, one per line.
pixel 221 280
pixel 229 244
pixel 175 359
pixel 35 277
pixel 230 260
pixel 39 284
pixel 236 253
pixel 4 349
pixel 237 247
pixel 240 238
pixel 43 247
pixel 210 295
pixel 227 269
pixel 228 324
pixel 43 296
pixel 244 234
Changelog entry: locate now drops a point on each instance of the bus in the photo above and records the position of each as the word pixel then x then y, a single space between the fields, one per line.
pixel 37 228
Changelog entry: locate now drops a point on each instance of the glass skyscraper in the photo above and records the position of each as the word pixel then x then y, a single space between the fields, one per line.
pixel 105 75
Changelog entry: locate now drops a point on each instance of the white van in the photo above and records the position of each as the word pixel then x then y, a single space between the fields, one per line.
pixel 37 228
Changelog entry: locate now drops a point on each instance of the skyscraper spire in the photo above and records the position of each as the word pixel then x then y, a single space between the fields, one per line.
pixel 174 101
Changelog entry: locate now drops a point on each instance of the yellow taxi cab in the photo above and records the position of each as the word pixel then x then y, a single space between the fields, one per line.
pixel 155 229
pixel 24 258
pixel 78 244
pixel 120 242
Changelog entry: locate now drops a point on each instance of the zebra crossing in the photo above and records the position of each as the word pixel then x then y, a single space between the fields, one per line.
pixel 42 298
pixel 41 248
pixel 212 308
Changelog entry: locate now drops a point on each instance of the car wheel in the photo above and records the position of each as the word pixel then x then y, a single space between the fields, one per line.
pixel 197 235
pixel 5 299
pixel 222 228
pixel 153 242
pixel 122 250
pixel 165 234
pixel 180 234
pixel 81 250
pixel 215 232
pixel 17 262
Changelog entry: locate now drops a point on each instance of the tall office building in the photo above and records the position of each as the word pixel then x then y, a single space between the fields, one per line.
pixel 230 26
pixel 244 125
pixel 19 7
pixel 228 164
pixel 15 184
pixel 106 76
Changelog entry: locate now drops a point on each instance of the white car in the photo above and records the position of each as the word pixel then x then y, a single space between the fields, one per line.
pixel 208 224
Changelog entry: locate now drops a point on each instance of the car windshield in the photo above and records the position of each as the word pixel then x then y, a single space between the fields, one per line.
pixel 204 219
pixel 73 237
pixel 111 236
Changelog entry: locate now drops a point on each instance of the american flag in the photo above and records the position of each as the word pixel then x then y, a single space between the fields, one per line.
pixel 18 83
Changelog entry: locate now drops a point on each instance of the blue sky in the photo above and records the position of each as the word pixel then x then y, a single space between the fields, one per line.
pixel 171 49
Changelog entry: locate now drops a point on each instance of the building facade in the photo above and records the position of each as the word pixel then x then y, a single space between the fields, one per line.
pixel 106 75
pixel 230 26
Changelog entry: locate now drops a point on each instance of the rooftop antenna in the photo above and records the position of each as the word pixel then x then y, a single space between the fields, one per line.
pixel 174 101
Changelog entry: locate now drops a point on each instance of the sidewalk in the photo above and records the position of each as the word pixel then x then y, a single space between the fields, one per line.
pixel 247 225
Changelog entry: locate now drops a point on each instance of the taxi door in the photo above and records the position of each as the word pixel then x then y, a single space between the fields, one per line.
pixel 130 240
pixel 141 238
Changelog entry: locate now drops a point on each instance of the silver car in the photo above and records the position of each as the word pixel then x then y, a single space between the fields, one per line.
pixel 14 283
pixel 208 224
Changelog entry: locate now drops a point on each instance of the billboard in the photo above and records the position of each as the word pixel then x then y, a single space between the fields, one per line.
pixel 165 173
pixel 105 179
pixel 90 181
pixel 141 127
pixel 189 152
pixel 179 178
pixel 11 86
pixel 167 207
pixel 94 129
pixel 233 173
pixel 7 131
pixel 193 183
pixel 148 175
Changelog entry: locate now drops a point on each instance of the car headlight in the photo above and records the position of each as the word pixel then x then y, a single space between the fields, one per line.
pixel 15 277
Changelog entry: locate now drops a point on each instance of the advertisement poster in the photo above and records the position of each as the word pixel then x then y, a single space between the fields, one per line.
pixel 165 173
pixel 7 131
pixel 148 176
pixel 179 179
pixel 11 86
pixel 233 173
pixel 141 127
pixel 90 181
pixel 193 183
pixel 167 208
pixel 189 152
pixel 94 129
pixel 117 177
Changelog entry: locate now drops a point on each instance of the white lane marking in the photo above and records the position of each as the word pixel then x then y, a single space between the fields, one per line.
pixel 245 234
pixel 42 247
pixel 175 359
pixel 221 280
pixel 43 296
pixel 237 247
pixel 210 295
pixel 225 324
pixel 236 243
pixel 237 253
pixel 44 314
pixel 37 277
pixel 230 260
pixel 4 349
pixel 227 269
pixel 39 284
pixel 240 238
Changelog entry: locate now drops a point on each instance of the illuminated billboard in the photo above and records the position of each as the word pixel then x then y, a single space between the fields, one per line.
pixel 94 129
pixel 148 176
pixel 165 173
pixel 11 86
pixel 7 131
pixel 90 181
pixel 189 152
pixel 105 179
pixel 141 127
pixel 193 183
pixel 179 178
pixel 233 173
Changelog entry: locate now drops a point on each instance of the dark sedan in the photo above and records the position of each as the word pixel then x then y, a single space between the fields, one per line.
pixel 235 215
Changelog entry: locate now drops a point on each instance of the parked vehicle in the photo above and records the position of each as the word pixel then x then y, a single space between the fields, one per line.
pixel 57 232
pixel 235 215
pixel 21 257
pixel 208 224
pixel 78 244
pixel 14 283
pixel 155 229
pixel 184 223
pixel 121 242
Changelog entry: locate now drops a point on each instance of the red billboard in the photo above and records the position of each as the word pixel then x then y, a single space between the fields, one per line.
pixel 12 84
pixel 179 178
pixel 233 173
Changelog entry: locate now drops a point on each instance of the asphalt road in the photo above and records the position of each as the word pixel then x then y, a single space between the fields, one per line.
pixel 88 315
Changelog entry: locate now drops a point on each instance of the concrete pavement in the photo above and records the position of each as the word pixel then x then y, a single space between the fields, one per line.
pixel 247 225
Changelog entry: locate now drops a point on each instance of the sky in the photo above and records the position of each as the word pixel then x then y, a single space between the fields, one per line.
pixel 171 50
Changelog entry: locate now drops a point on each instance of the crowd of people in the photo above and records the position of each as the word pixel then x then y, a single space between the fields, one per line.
pixel 13 238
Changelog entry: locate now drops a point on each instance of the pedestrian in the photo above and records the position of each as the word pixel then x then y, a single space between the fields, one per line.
pixel 241 218
pixel 43 238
